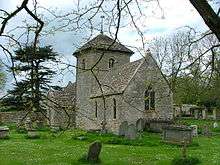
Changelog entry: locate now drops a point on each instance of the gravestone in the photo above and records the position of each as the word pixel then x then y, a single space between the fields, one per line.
pixel 214 114
pixel 204 115
pixel 54 129
pixel 131 132
pixel 196 113
pixel 94 151
pixel 4 132
pixel 33 134
pixel 157 125
pixel 206 131
pixel 215 125
pixel 194 130
pixel 177 134
pixel 140 124
pixel 123 128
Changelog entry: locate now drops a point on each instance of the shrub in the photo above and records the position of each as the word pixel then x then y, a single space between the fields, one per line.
pixel 185 161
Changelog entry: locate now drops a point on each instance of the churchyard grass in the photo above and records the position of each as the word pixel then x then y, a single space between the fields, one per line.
pixel 65 149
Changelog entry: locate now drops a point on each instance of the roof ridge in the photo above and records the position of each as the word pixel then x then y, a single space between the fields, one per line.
pixel 135 72
pixel 103 42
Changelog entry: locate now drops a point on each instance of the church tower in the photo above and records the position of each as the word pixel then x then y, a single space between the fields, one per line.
pixel 94 59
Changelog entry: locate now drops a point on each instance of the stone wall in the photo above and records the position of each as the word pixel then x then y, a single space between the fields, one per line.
pixel 130 104
pixel 16 116
pixel 61 106
pixel 86 82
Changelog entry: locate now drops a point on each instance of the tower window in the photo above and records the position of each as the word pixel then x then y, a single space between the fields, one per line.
pixel 96 109
pixel 111 63
pixel 149 99
pixel 114 108
pixel 83 64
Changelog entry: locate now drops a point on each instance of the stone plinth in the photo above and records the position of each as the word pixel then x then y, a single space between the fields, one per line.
pixel 157 125
pixel 177 134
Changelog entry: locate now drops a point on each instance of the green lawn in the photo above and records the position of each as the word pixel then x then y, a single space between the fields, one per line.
pixel 65 149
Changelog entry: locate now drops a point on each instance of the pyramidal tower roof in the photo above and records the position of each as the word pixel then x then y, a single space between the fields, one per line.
pixel 103 42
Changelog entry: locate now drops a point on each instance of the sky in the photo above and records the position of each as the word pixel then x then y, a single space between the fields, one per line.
pixel 161 20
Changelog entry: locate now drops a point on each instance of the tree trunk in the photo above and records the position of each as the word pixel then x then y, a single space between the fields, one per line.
pixel 211 19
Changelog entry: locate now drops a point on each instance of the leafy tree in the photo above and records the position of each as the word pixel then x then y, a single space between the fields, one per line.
pixel 31 90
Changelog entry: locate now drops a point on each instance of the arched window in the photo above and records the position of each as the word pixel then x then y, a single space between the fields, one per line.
pixel 83 64
pixel 111 63
pixel 114 108
pixel 149 99
pixel 96 109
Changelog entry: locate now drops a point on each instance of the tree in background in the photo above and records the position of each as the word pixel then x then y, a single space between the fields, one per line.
pixel 2 76
pixel 31 66
pixel 194 79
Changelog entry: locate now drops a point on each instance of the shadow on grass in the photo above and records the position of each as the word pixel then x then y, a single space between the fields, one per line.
pixel 83 160
pixel 185 161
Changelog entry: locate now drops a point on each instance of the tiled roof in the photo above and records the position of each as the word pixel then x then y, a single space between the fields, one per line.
pixel 117 80
pixel 103 42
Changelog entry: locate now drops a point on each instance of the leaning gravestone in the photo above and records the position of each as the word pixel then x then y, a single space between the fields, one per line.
pixel 4 132
pixel 140 124
pixel 94 151
pixel 123 128
pixel 131 132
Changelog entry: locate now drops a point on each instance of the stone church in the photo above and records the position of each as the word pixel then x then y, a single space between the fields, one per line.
pixel 109 89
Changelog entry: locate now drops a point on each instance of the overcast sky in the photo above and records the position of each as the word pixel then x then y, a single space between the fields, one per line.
pixel 158 21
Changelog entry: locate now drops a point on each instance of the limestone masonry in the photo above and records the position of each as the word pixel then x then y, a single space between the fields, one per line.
pixel 114 90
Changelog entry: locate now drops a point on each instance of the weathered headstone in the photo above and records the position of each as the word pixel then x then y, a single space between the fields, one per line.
pixel 214 114
pixel 4 132
pixel 54 129
pixel 194 130
pixel 131 132
pixel 215 125
pixel 33 134
pixel 94 151
pixel 196 113
pixel 206 131
pixel 123 128
pixel 140 124
pixel 204 114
